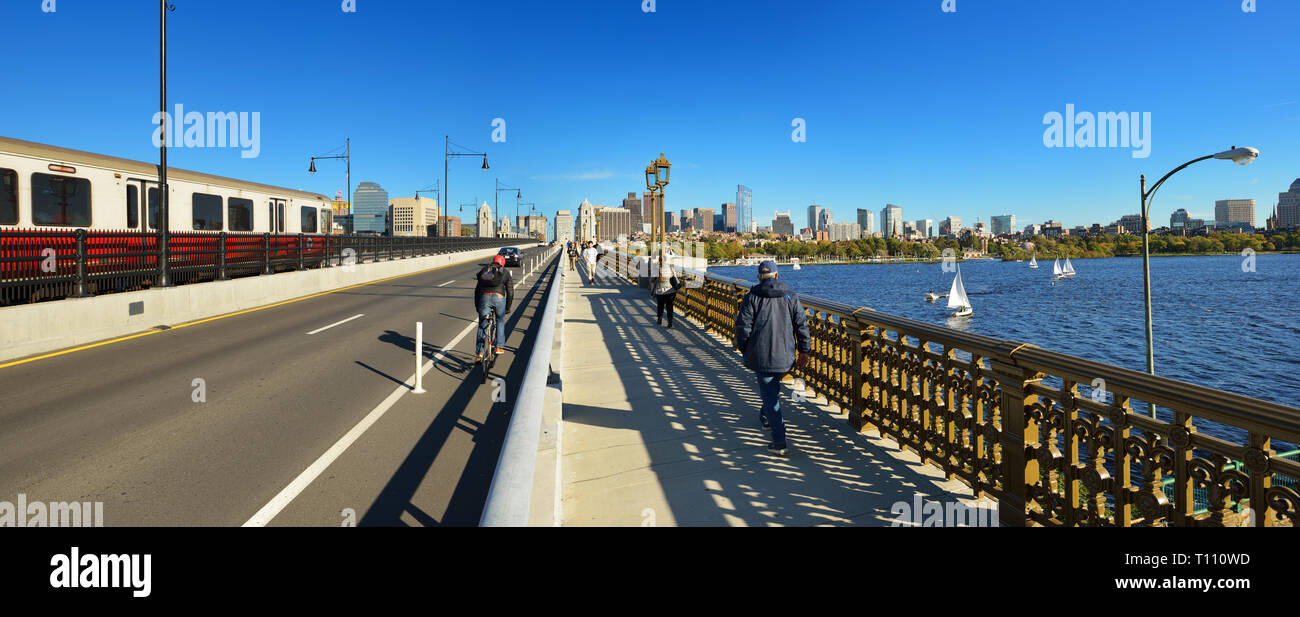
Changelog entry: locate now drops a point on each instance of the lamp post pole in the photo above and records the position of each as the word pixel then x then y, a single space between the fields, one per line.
pixel 346 156
pixel 164 213
pixel 1241 156
pixel 496 199
pixel 446 157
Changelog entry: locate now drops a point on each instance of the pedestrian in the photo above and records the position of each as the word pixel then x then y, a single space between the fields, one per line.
pixel 573 256
pixel 665 288
pixel 589 256
pixel 772 335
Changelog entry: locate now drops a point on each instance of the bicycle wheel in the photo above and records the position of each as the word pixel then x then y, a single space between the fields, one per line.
pixel 489 348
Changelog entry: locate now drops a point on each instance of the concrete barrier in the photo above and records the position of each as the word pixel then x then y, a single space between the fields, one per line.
pixel 34 329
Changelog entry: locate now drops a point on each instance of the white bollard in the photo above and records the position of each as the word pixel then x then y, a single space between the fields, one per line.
pixel 419 357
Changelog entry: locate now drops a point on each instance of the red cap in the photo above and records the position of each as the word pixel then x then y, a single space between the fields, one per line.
pixel 499 260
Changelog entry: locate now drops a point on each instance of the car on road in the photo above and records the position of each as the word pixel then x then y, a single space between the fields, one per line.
pixel 514 258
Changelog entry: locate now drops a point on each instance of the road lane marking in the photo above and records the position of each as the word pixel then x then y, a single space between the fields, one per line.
pixel 309 475
pixel 318 330
pixel 447 283
pixel 201 321
pixel 278 503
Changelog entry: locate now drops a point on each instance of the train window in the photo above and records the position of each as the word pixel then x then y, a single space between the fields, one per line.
pixel 207 212
pixel 308 220
pixel 153 208
pixel 60 200
pixel 240 213
pixel 8 197
pixel 279 217
pixel 132 206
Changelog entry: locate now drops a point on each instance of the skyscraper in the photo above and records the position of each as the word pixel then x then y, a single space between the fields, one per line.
pixel 866 221
pixel 744 209
pixel 782 225
pixel 370 209
pixel 925 227
pixel 950 226
pixel 891 221
pixel 1288 208
pixel 824 219
pixel 1234 211
pixel 814 217
pixel 703 220
pixel 633 205
pixel 730 219
pixel 1178 221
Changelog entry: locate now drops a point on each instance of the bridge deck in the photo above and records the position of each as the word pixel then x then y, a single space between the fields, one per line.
pixel 661 427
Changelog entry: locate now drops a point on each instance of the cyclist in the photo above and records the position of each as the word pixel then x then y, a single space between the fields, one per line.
pixel 494 291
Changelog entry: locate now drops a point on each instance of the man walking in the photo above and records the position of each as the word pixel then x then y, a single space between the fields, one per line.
pixel 589 255
pixel 772 334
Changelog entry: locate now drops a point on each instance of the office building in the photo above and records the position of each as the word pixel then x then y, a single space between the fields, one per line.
pixel 814 217
pixel 730 218
pixel 370 209
pixel 633 204
pixel 1234 211
pixel 744 210
pixel 891 221
pixel 866 221
pixel 925 227
pixel 840 232
pixel 1003 225
pixel 824 219
pixel 563 226
pixel 703 221
pixel 1287 214
pixel 782 225
pixel 614 224
pixel 1178 221
pixel 950 226
pixel 411 216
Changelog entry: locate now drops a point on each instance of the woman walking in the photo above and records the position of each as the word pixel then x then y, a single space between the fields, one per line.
pixel 665 289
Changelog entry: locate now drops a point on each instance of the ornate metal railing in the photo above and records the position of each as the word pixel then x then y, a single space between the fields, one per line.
pixel 1010 420
pixel 50 264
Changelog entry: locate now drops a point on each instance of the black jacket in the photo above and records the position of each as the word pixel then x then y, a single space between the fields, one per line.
pixel 771 327
pixel 499 282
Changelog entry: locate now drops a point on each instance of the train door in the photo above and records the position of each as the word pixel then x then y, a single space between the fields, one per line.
pixel 276 209
pixel 141 205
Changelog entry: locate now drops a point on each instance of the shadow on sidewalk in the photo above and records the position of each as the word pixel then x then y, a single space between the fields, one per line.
pixel 680 425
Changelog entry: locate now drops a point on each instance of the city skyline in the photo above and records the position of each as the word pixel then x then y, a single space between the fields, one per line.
pixel 989 150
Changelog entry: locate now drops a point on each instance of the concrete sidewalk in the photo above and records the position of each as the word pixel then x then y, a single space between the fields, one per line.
pixel 661 428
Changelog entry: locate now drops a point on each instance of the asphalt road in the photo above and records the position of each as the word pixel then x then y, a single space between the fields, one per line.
pixel 302 429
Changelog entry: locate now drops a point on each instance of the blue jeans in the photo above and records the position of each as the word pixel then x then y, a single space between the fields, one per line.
pixel 486 304
pixel 769 389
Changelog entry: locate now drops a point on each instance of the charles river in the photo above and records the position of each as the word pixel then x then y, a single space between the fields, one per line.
pixel 1215 323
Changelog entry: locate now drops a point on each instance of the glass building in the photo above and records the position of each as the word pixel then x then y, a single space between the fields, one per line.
pixel 369 209
pixel 744 208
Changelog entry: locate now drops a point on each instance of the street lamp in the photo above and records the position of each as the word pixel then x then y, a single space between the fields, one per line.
pixel 658 173
pixel 1240 156
pixel 528 231
pixel 164 212
pixel 497 195
pixel 436 190
pixel 447 154
pixel 347 156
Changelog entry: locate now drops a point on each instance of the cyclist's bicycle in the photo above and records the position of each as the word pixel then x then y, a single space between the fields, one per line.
pixel 490 345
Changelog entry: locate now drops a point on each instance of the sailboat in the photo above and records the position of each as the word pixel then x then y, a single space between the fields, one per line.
pixel 1033 263
pixel 795 261
pixel 1056 268
pixel 957 298
pixel 1068 270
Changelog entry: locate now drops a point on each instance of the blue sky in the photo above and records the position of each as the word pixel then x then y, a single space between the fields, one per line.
pixel 940 113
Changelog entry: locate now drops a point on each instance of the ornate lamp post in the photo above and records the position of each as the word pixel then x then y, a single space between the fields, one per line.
pixel 1240 156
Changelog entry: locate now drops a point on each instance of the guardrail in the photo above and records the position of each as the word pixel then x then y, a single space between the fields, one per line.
pixel 1009 421
pixel 50 264
pixel 510 495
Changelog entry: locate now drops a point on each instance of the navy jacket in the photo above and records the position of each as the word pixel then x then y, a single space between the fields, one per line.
pixel 771 327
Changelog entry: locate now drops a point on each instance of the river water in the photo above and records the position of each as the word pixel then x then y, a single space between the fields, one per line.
pixel 1216 323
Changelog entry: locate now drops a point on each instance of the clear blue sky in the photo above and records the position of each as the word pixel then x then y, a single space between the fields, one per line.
pixel 939 113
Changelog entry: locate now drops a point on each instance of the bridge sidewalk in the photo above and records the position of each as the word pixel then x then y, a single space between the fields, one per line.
pixel 660 427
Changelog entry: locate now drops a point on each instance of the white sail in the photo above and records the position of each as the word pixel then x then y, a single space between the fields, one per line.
pixel 1069 269
pixel 1056 267
pixel 957 296
pixel 1033 262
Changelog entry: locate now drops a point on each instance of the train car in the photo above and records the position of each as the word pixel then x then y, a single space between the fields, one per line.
pixel 48 193
pixel 52 187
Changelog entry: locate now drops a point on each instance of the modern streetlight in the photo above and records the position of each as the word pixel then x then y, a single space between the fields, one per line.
pixel 164 213
pixel 527 230
pixel 436 190
pixel 496 207
pixel 447 154
pixel 1240 156
pixel 347 156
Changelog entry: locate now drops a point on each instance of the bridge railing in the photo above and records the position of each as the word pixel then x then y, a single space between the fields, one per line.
pixel 1057 440
pixel 52 263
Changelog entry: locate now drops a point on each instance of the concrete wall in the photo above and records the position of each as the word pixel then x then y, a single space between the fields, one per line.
pixel 43 327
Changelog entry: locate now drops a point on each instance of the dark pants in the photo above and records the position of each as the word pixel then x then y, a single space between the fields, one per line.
pixel 769 390
pixel 666 301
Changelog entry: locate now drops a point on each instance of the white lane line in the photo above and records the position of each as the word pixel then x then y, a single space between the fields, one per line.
pixel 447 283
pixel 309 475
pixel 336 324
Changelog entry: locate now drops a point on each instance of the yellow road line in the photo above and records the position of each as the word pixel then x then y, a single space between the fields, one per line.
pixel 201 321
